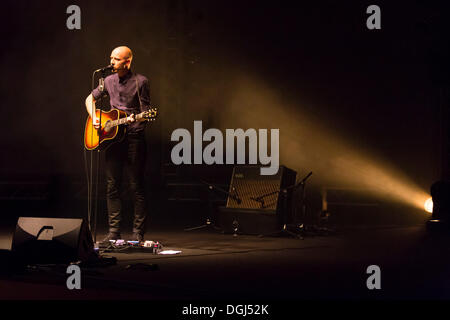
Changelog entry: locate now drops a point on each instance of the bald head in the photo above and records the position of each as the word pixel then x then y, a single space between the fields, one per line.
pixel 121 58
pixel 124 52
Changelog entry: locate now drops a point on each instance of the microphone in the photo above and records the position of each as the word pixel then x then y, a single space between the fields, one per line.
pixel 101 84
pixel 259 199
pixel 236 197
pixel 110 67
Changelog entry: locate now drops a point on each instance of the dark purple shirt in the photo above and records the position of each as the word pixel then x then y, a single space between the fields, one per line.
pixel 123 95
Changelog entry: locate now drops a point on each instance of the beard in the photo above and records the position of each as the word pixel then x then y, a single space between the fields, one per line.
pixel 121 68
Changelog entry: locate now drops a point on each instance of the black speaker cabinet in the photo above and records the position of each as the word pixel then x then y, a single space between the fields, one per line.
pixel 262 207
pixel 52 240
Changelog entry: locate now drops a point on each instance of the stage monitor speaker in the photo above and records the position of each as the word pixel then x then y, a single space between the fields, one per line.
pixel 52 241
pixel 261 207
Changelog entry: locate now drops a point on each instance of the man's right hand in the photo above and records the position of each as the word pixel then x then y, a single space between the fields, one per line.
pixel 96 122
pixel 90 107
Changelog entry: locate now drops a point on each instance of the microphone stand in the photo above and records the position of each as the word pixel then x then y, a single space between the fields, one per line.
pixel 301 227
pixel 285 228
pixel 312 229
pixel 209 221
pixel 261 198
pixel 99 131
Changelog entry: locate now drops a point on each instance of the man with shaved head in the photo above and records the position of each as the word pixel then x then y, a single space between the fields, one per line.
pixel 128 92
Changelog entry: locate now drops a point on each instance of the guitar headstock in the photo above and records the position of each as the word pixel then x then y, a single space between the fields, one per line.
pixel 151 114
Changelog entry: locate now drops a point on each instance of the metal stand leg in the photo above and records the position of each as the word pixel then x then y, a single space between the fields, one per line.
pixel 209 221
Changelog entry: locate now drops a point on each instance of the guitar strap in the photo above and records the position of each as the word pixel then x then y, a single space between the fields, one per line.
pixel 139 96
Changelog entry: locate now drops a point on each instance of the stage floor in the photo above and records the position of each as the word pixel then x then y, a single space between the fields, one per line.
pixel 220 267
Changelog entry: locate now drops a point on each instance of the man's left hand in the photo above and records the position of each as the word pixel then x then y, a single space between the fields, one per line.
pixel 131 118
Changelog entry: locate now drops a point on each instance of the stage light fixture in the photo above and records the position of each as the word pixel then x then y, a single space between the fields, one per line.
pixel 429 205
pixel 440 218
pixel 440 193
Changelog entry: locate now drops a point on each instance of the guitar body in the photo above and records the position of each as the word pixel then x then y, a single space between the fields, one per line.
pixel 102 138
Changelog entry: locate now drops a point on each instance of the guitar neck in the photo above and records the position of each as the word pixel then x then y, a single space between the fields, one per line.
pixel 139 116
pixel 120 121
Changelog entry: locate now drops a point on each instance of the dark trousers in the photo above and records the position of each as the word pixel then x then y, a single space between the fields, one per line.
pixel 126 159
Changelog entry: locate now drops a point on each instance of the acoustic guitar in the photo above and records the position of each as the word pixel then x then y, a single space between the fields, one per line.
pixel 111 128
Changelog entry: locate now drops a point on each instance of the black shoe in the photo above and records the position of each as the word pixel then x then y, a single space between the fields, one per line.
pixel 137 237
pixel 111 236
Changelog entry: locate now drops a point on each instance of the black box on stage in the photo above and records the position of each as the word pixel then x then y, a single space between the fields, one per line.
pixel 262 207
pixel 52 240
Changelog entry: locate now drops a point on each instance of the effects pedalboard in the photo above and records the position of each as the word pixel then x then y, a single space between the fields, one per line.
pixel 121 245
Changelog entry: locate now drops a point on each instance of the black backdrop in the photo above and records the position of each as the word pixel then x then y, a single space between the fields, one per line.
pixel 381 90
